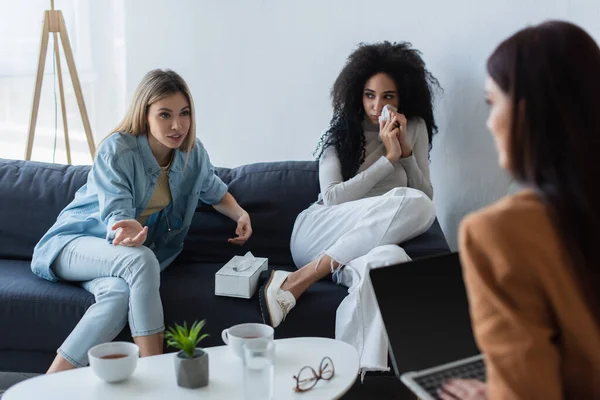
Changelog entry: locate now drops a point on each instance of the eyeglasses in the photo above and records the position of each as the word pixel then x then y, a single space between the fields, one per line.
pixel 307 378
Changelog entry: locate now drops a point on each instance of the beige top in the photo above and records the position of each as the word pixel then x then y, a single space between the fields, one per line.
pixel 377 175
pixel 530 319
pixel 160 198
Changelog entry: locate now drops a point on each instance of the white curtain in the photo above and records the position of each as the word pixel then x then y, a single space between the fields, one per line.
pixel 96 33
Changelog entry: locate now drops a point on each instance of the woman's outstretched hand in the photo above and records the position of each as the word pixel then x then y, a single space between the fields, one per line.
pixel 243 230
pixel 129 233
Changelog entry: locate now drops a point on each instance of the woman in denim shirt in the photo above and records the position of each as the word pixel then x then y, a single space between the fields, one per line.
pixel 128 222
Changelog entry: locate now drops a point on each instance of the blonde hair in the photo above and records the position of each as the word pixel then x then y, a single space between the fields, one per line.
pixel 156 85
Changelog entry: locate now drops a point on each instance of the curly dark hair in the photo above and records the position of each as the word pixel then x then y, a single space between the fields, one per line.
pixel 415 85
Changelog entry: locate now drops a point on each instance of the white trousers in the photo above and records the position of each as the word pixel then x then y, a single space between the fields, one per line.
pixel 358 235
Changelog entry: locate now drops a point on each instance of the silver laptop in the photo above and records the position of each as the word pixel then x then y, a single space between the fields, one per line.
pixel 426 314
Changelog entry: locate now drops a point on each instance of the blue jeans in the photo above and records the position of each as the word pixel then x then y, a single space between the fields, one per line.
pixel 125 282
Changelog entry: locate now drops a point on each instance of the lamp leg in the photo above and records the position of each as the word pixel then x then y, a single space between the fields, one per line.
pixel 62 99
pixel 38 86
pixel 76 85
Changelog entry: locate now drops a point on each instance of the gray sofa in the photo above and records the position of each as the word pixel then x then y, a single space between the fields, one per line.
pixel 37 315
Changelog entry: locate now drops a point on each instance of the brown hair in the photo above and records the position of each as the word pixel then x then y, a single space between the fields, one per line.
pixel 551 73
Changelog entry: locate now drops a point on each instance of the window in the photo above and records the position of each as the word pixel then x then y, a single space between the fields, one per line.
pixel 95 31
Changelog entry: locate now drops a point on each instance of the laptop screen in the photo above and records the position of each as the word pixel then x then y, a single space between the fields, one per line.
pixel 425 311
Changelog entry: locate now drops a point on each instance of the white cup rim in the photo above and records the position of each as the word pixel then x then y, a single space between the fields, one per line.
pixel 104 349
pixel 267 330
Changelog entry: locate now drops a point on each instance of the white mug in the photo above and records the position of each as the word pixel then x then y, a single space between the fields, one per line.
pixel 235 336
pixel 114 361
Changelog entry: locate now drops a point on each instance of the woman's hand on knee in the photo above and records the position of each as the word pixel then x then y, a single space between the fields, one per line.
pixel 130 233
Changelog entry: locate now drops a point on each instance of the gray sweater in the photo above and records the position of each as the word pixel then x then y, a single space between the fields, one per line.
pixel 377 175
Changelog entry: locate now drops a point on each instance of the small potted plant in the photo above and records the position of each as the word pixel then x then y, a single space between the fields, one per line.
pixel 191 362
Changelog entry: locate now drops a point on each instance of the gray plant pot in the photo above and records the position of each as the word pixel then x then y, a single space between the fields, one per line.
pixel 192 372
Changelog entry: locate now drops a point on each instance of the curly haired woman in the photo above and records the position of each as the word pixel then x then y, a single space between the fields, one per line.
pixel 374 176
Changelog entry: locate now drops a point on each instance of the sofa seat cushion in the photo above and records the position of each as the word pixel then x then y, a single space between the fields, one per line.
pixel 32 195
pixel 51 310
pixel 187 292
pixel 32 304
pixel 432 242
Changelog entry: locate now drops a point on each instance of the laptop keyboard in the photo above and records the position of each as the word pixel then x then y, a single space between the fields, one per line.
pixel 431 383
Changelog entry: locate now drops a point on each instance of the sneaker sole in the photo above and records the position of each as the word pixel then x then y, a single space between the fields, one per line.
pixel 262 299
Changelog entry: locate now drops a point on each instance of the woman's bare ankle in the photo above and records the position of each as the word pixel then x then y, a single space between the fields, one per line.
pixel 150 345
pixel 288 284
pixel 59 364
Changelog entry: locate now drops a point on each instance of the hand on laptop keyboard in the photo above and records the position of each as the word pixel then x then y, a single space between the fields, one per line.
pixel 463 389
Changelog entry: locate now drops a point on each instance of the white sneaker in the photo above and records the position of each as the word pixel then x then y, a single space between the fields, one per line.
pixel 275 304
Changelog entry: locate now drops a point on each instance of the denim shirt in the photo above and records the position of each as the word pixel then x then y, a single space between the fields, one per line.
pixel 119 186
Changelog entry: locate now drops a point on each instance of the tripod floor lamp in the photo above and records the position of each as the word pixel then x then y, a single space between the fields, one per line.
pixel 54 23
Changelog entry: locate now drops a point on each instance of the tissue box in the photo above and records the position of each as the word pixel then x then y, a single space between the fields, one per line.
pixel 239 284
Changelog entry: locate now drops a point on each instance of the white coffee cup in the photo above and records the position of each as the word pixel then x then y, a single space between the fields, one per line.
pixel 235 336
pixel 114 361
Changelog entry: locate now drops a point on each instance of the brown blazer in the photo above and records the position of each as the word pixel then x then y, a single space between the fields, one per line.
pixel 530 320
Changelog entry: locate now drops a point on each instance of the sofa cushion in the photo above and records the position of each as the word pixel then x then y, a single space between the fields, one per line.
pixel 273 194
pixel 430 243
pixel 187 292
pixel 33 304
pixel 32 194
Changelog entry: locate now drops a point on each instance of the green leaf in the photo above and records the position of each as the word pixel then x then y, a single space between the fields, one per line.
pixel 198 340
pixel 186 339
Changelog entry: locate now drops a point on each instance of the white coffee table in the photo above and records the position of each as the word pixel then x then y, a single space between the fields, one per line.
pixel 154 377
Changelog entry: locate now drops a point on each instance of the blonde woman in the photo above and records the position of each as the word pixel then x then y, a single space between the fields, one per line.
pixel 128 222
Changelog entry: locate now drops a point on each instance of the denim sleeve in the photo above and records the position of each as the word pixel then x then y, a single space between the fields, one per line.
pixel 212 188
pixel 115 192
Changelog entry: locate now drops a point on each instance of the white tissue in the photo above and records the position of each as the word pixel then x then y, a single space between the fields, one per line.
pixel 243 263
pixel 385 113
